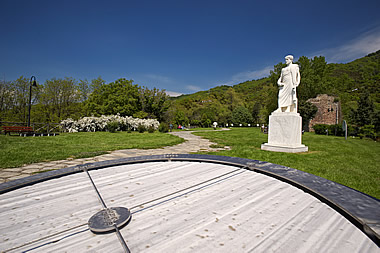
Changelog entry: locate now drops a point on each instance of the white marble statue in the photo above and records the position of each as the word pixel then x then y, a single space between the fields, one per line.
pixel 290 78
pixel 285 124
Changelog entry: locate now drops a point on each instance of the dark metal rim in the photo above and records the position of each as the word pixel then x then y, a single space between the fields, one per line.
pixel 360 209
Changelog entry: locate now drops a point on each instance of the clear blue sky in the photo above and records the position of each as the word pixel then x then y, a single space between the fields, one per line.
pixel 182 46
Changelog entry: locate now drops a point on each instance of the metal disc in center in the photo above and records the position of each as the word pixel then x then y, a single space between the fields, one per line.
pixel 106 219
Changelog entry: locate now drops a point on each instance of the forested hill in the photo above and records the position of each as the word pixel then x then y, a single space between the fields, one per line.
pixel 355 84
pixel 347 82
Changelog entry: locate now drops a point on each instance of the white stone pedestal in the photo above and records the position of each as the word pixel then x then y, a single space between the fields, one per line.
pixel 285 133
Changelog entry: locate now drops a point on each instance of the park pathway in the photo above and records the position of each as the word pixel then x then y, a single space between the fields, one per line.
pixel 192 144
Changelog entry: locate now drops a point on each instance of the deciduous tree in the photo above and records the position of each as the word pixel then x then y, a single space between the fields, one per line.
pixel 119 97
pixel 241 115
pixel 58 99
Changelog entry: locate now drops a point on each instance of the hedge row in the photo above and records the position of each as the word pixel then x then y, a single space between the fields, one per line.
pixel 367 131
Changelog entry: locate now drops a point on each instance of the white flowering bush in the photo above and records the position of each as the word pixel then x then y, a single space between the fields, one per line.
pixel 94 124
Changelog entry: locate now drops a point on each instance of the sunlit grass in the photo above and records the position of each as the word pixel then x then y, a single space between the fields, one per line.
pixel 353 162
pixel 16 151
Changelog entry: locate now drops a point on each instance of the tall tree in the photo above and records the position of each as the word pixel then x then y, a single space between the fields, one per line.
pixel 365 114
pixel 84 89
pixel 233 99
pixel 241 115
pixel 307 111
pixel 96 84
pixel 313 77
pixel 256 113
pixel 15 99
pixel 6 100
pixel 153 102
pixel 181 119
pixel 59 99
pixel 119 97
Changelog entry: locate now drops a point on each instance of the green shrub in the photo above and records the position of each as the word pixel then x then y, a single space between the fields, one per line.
pixel 367 131
pixel 151 129
pixel 336 130
pixel 320 128
pixel 352 130
pixel 195 123
pixel 163 128
pixel 113 126
pixel 141 128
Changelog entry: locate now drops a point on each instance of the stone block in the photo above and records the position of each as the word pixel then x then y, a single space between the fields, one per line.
pixel 8 174
pixel 285 133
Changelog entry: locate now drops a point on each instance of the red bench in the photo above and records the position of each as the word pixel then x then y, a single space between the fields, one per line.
pixel 17 129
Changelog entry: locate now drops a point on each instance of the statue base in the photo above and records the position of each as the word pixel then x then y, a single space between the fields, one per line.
pixel 285 133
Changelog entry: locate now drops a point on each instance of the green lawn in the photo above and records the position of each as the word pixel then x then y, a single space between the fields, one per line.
pixel 16 151
pixel 353 162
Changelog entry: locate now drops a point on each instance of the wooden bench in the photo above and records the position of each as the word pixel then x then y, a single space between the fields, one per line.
pixel 17 129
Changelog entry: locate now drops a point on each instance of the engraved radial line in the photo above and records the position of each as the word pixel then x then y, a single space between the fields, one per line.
pixel 96 189
pixel 110 218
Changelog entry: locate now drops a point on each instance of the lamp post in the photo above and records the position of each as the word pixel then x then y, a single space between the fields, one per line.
pixel 32 83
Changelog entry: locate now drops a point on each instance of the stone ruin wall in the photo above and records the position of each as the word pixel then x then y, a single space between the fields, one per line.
pixel 329 112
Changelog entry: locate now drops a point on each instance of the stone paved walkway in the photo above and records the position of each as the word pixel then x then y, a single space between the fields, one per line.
pixel 192 144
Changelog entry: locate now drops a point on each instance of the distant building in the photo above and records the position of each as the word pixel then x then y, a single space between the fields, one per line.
pixel 329 111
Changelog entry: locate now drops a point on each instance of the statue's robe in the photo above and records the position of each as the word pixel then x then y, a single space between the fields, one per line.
pixel 290 77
